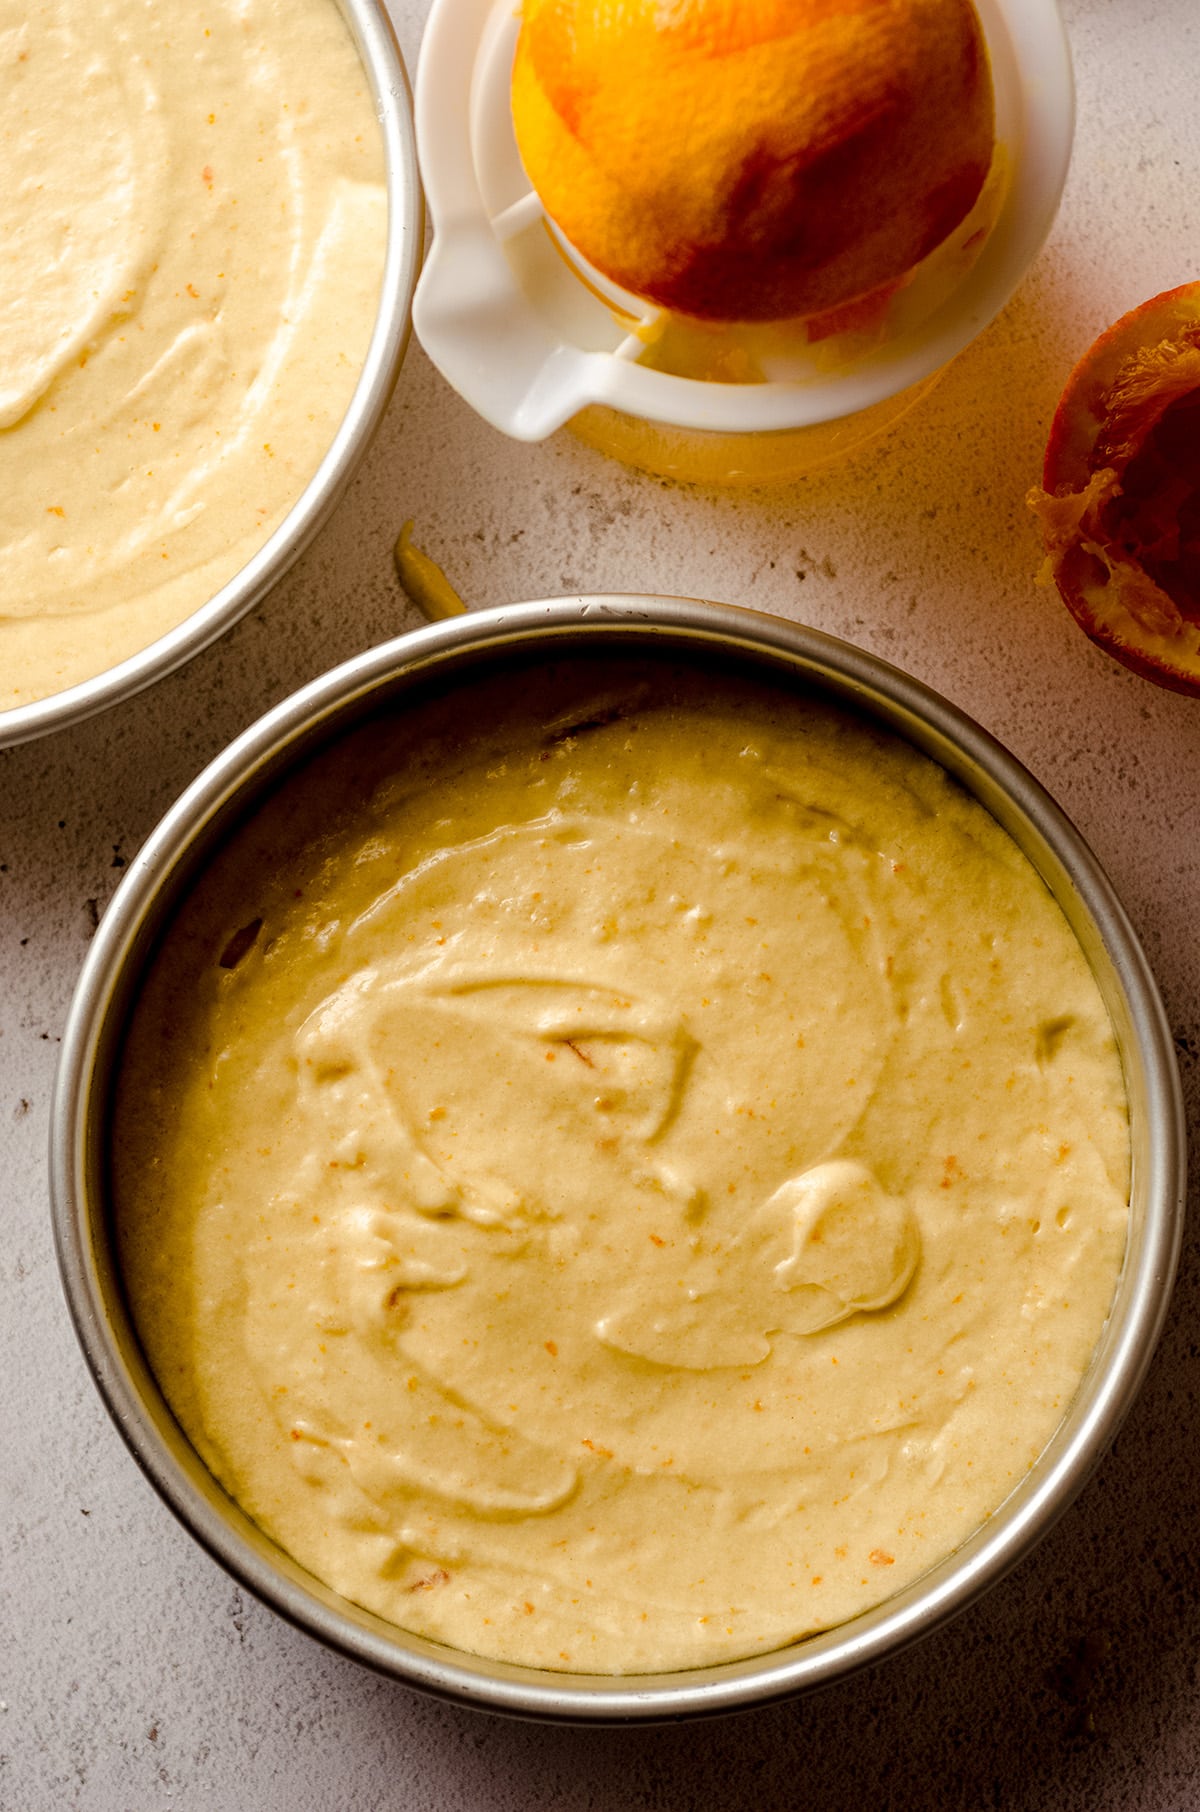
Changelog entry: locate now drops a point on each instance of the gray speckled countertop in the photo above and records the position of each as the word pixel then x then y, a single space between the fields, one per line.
pixel 133 1674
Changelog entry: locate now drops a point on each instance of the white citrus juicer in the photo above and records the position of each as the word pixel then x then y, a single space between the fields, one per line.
pixel 535 339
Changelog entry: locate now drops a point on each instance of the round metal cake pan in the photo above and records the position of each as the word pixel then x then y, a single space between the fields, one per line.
pixel 373 35
pixel 439 658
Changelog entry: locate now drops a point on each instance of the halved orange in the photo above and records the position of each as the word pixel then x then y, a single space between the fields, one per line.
pixel 1120 499
pixel 742 160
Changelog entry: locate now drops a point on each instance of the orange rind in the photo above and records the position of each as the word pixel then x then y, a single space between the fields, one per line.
pixel 1119 505
pixel 749 160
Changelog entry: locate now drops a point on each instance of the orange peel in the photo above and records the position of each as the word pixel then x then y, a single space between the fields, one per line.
pixel 1119 504
pixel 753 159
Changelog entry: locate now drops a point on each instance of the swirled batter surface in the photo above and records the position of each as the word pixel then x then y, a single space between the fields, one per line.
pixel 624 1178
pixel 192 229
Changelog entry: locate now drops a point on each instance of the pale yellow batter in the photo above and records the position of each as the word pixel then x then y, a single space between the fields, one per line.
pixel 624 1178
pixel 192 230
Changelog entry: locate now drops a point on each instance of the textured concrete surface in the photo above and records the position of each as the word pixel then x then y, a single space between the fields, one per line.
pixel 133 1674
